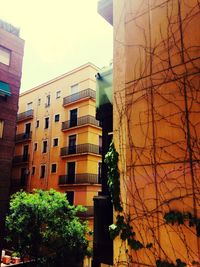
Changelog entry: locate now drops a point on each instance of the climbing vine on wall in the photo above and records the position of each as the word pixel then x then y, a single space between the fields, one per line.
pixel 156 111
pixel 111 159
pixel 181 217
pixel 122 227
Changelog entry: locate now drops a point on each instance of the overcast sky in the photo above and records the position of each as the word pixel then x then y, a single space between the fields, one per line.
pixel 59 35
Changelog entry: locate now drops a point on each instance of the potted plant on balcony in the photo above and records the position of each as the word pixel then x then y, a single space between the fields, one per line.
pixel 6 259
pixel 15 257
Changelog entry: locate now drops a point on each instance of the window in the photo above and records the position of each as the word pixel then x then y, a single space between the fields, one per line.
pixel 46 123
pixel 74 89
pixel 29 106
pixel 1 128
pixel 70 197
pixel 35 147
pixel 48 101
pixel 39 101
pixel 57 117
pixel 33 170
pixel 55 142
pixel 44 147
pixel 37 124
pixel 53 168
pixel 4 56
pixel 58 94
pixel 42 171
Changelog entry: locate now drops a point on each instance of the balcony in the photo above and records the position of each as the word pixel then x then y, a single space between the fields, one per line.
pixel 80 149
pixel 22 159
pixel 23 137
pixel 25 115
pixel 105 9
pixel 88 93
pixel 82 178
pixel 79 122
pixel 88 213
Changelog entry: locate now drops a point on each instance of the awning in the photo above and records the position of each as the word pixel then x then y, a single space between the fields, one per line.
pixel 5 89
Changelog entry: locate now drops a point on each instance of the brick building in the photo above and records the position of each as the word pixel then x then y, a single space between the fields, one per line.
pixel 11 55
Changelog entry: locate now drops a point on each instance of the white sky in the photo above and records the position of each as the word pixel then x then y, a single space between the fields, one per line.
pixel 59 35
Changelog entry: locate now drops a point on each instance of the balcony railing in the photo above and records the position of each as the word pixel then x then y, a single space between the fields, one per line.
pixel 21 159
pixel 80 121
pixel 25 115
pixel 79 149
pixel 77 96
pixel 82 178
pixel 88 213
pixel 23 137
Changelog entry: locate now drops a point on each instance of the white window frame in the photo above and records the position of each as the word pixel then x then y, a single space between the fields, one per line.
pixel 58 94
pixel 27 106
pixel 5 56
pixel 76 87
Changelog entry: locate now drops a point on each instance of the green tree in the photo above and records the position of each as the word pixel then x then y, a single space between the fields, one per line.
pixel 44 226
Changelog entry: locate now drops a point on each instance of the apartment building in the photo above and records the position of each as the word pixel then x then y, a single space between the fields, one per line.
pixel 58 139
pixel 11 56
pixel 156 118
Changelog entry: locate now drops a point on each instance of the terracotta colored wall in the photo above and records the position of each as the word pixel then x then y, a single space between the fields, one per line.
pixel 156 92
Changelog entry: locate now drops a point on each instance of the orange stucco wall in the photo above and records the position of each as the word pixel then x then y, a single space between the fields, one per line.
pixel 84 76
pixel 156 125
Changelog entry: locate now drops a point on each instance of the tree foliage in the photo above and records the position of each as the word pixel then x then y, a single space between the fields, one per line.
pixel 43 225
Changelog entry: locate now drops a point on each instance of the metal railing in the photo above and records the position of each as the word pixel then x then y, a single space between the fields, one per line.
pixel 82 94
pixel 79 149
pixel 88 213
pixel 21 159
pixel 82 178
pixel 23 137
pixel 80 121
pixel 25 115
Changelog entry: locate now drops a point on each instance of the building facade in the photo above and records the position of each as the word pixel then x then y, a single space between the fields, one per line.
pixel 11 56
pixel 156 130
pixel 58 140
